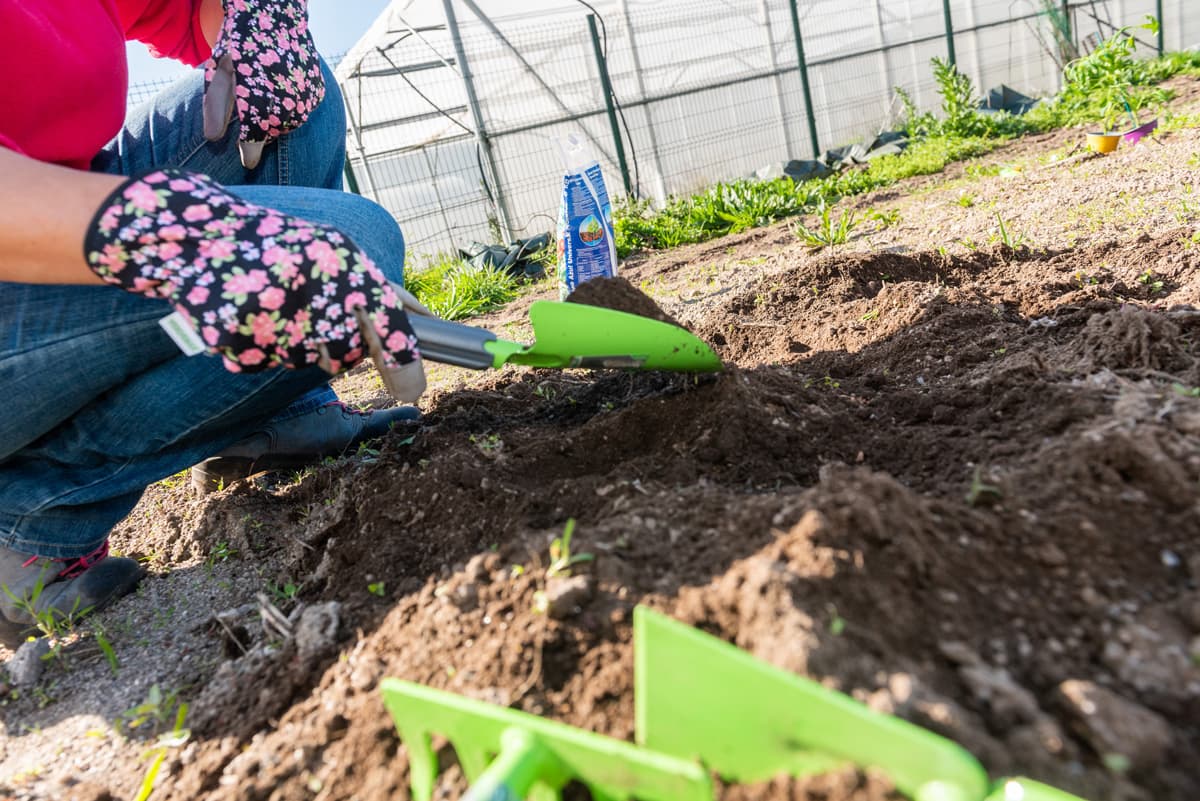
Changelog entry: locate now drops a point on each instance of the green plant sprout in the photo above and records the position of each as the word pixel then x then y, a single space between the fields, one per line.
pixel 884 218
pixel 827 233
pixel 1009 240
pixel 561 558
pixel 100 634
pixel 981 493
pixel 53 623
pixel 1148 280
pixel 173 739
pixel 377 588
pixel 155 711
pixel 285 592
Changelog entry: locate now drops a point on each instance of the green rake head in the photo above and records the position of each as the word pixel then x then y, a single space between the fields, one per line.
pixel 506 754
pixel 698 697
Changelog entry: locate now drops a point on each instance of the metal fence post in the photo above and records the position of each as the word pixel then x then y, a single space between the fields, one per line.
pixel 789 146
pixel 481 136
pixel 1158 12
pixel 803 64
pixel 351 181
pixel 949 32
pixel 610 107
pixel 1066 12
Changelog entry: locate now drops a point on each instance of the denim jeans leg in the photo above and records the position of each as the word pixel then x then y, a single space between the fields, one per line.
pixel 108 405
pixel 168 131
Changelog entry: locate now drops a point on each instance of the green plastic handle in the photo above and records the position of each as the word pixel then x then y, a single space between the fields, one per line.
pixel 1021 789
pixel 522 761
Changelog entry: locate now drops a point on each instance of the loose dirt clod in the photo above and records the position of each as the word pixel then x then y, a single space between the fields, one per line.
pixel 620 295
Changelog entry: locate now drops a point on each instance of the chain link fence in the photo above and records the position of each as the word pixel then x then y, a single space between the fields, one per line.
pixel 454 118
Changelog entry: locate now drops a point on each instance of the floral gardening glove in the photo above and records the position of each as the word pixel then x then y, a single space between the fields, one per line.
pixel 266 65
pixel 262 289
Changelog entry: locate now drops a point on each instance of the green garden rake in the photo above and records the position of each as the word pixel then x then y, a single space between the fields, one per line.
pixel 698 701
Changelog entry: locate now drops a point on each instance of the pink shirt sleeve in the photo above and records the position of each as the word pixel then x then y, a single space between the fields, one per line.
pixel 171 28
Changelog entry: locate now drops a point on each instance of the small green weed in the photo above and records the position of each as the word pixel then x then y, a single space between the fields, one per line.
pixel 100 634
pixel 966 200
pixel 827 233
pixel 221 552
pixel 884 218
pixel 55 624
pixel 177 480
pixel 151 714
pixel 561 558
pixel 489 444
pixel 283 593
pixel 177 737
pixel 377 588
pixel 1148 280
pixel 981 493
pixel 455 290
pixel 1007 238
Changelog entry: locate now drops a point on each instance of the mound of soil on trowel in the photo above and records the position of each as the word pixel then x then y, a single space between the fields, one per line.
pixel 619 295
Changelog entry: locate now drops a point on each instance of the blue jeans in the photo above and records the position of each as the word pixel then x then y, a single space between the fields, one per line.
pixel 101 402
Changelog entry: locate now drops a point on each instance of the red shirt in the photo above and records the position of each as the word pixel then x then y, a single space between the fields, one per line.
pixel 63 74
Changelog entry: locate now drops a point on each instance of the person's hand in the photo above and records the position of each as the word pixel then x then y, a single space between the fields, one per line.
pixel 265 66
pixel 261 288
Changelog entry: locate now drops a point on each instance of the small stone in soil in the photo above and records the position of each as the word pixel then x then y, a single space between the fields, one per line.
pixel 27 664
pixel 566 596
pixel 1112 724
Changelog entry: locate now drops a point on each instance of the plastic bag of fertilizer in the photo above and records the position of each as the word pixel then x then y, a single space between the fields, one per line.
pixel 586 247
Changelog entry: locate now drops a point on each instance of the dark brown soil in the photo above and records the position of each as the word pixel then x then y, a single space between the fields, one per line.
pixel 620 295
pixel 994 476
pixel 946 481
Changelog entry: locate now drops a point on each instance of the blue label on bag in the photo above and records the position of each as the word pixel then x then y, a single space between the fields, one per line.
pixel 585 232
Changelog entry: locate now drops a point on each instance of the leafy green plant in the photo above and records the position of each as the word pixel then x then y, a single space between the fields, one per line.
pixel 1148 280
pixel 917 124
pixel 1110 82
pixel 153 713
pixel 100 634
pixel 959 101
pixel 455 290
pixel 53 623
pixel 377 588
pixel 981 493
pixel 283 593
pixel 827 232
pixel 177 737
pixel 561 558
pixel 1010 240
pixel 884 218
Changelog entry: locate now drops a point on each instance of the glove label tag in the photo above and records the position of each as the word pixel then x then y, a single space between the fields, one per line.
pixel 179 329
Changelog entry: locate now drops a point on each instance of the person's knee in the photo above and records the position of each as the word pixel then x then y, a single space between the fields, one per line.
pixel 373 229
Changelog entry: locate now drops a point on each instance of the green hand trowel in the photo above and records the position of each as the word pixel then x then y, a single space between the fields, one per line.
pixel 508 755
pixel 698 697
pixel 569 335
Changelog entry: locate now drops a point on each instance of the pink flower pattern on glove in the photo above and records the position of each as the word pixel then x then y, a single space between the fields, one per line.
pixel 274 60
pixel 262 288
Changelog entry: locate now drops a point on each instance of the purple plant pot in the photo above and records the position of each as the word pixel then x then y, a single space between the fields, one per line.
pixel 1135 135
